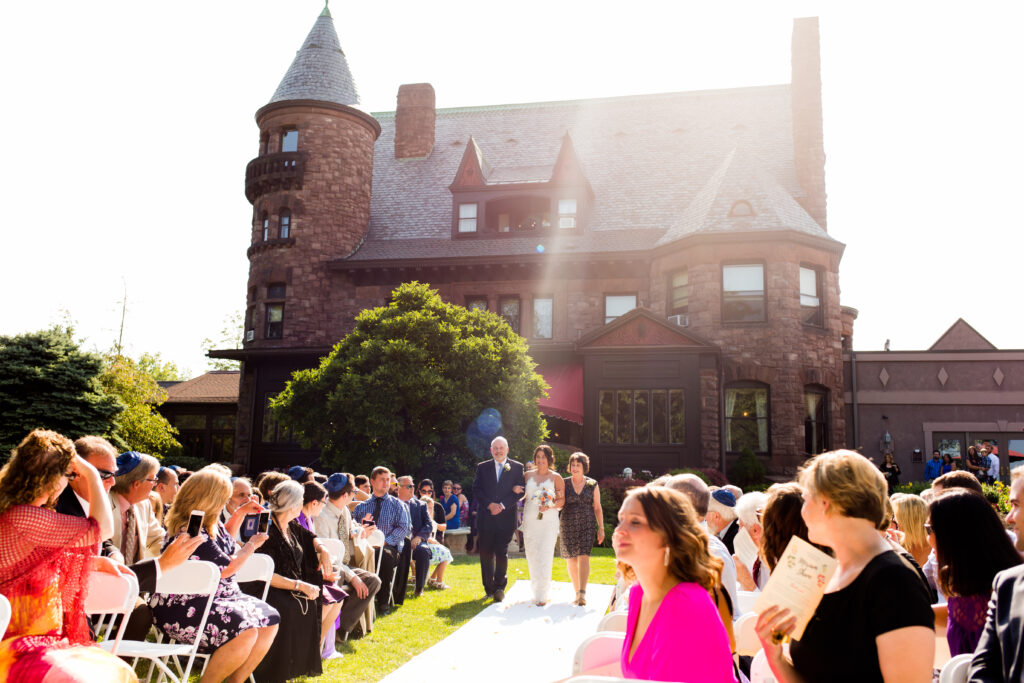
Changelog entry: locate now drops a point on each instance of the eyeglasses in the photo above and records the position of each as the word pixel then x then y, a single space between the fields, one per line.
pixel 71 476
pixel 426 492
pixel 927 528
pixel 104 474
pixel 152 481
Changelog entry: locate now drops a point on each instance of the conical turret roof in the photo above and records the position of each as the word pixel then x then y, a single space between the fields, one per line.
pixel 319 70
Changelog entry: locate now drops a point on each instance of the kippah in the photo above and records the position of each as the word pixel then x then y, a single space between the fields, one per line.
pixel 724 497
pixel 128 461
pixel 336 482
pixel 296 472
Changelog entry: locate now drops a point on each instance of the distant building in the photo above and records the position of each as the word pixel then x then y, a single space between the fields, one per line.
pixel 665 256
pixel 204 410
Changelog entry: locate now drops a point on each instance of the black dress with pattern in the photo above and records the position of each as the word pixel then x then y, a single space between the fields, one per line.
pixel 578 526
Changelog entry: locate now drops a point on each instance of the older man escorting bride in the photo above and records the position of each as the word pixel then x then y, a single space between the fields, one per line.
pixel 545 495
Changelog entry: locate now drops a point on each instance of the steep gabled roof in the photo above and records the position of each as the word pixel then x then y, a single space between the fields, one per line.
pixel 319 70
pixel 962 337
pixel 740 197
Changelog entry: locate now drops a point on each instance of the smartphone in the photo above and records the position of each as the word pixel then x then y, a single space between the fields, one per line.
pixel 195 522
pixel 264 522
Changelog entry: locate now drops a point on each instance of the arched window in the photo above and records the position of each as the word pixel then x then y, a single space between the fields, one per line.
pixel 265 221
pixel 741 208
pixel 747 422
pixel 285 223
pixel 815 419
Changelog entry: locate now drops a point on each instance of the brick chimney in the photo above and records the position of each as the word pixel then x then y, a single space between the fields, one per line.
pixel 808 137
pixel 414 121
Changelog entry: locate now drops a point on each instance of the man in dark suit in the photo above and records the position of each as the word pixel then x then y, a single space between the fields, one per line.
pixel 498 484
pixel 1000 653
pixel 415 550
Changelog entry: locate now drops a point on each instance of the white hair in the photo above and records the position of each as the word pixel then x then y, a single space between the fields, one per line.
pixel 748 506
pixel 285 496
pixel 728 514
pixel 499 438
pixel 736 491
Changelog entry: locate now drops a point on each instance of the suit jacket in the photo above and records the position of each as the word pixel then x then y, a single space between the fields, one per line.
pixel 151 534
pixel 488 489
pixel 730 535
pixel 1000 652
pixel 145 571
pixel 419 515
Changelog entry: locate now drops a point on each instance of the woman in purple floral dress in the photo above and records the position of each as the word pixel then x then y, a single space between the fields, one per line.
pixel 240 628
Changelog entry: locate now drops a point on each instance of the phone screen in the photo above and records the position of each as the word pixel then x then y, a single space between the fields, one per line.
pixel 264 522
pixel 195 522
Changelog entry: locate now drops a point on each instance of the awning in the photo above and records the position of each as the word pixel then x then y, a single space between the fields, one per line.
pixel 565 397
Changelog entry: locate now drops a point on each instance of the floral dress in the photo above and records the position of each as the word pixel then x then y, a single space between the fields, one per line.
pixel 232 612
pixel 579 525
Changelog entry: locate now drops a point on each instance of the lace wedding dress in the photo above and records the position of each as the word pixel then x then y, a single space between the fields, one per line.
pixel 539 536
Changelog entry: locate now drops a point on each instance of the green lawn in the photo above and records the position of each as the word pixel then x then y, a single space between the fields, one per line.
pixel 421 622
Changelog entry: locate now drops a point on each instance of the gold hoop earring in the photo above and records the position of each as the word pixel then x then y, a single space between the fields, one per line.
pixel 666 555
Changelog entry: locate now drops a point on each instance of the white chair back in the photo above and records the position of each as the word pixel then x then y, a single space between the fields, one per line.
pixel 5 615
pixel 614 621
pixel 335 547
pixel 258 567
pixel 745 601
pixel 376 538
pixel 597 650
pixel 111 595
pixel 955 670
pixel 760 672
pixel 747 642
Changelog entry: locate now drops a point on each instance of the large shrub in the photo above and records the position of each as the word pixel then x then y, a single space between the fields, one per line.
pixel 747 471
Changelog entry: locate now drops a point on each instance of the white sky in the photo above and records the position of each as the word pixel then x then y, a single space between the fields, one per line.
pixel 128 126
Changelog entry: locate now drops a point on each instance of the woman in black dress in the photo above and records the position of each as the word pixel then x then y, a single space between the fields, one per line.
pixel 581 519
pixel 891 471
pixel 301 565
pixel 240 628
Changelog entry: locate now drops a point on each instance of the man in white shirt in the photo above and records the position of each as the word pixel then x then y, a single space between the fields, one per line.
pixel 722 517
pixel 993 467
pixel 137 531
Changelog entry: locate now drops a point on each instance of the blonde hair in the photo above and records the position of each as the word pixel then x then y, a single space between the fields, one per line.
pixel 850 481
pixel 34 469
pixel 207 490
pixel 911 512
pixel 157 503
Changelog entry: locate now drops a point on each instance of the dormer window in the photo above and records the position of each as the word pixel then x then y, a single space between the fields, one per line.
pixel 740 209
pixel 566 213
pixel 467 217
pixel 518 214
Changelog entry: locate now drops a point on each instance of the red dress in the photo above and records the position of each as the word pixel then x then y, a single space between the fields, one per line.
pixel 44 563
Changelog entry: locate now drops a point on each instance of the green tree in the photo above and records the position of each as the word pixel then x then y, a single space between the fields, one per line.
pixel 139 427
pixel 421 386
pixel 159 369
pixel 47 381
pixel 229 337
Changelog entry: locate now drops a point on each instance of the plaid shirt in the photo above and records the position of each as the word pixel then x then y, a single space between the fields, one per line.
pixel 393 519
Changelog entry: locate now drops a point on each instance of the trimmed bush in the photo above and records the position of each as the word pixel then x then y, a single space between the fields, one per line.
pixel 748 470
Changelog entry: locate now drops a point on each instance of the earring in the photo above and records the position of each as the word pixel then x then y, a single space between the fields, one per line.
pixel 666 555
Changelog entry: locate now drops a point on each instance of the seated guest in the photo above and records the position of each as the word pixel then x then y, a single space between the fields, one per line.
pixel 335 521
pixel 300 474
pixel 450 503
pixel 875 621
pixel 721 517
pixel 301 565
pixel 74 500
pixel 440 555
pixel 781 521
pixel 240 628
pixel 910 513
pixel 416 547
pixel 166 487
pixel 674 631
pixel 971 547
pixel 44 560
pixel 137 531
pixel 241 493
pixel 314 499
pixel 625 577
pixel 387 513
pixel 958 479
pixel 158 506
pixel 748 516
pixel 694 488
pixel 999 657
pixel 268 481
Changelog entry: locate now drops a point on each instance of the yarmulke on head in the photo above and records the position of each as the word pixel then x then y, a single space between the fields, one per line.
pixel 128 461
pixel 724 497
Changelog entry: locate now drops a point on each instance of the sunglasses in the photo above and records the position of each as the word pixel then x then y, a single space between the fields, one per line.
pixel 426 491
pixel 927 528
pixel 104 474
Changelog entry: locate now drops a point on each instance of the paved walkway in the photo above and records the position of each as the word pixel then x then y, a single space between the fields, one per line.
pixel 512 641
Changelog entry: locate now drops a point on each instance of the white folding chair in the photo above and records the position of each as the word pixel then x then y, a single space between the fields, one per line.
pixel 376 539
pixel 597 650
pixel 955 670
pixel 760 672
pixel 5 614
pixel 110 595
pixel 745 601
pixel 747 642
pixel 613 621
pixel 335 547
pixel 191 578
pixel 258 567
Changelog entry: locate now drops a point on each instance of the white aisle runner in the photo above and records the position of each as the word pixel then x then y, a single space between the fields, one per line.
pixel 512 641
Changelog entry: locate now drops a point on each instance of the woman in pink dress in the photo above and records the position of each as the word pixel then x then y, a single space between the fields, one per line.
pixel 674 630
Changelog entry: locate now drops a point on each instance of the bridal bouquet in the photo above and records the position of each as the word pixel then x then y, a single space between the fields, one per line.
pixel 543 497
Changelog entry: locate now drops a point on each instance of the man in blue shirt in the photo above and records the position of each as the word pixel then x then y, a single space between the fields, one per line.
pixel 416 549
pixel 391 516
pixel 933 467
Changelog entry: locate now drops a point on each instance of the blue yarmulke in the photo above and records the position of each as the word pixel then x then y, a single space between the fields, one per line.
pixel 724 497
pixel 297 472
pixel 128 461
pixel 336 482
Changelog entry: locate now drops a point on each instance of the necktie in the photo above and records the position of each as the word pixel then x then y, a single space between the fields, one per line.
pixel 130 537
pixel 377 502
pixel 498 475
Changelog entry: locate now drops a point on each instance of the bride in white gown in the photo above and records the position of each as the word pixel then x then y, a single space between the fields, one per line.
pixel 540 534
